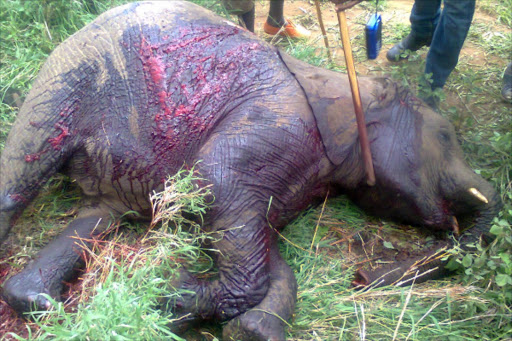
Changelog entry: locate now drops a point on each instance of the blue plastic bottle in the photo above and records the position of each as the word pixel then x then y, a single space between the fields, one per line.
pixel 373 36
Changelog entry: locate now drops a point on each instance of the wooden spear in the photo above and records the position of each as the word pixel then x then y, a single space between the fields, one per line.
pixel 356 98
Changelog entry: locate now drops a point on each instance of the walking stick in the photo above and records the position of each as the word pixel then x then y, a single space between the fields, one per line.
pixel 356 98
pixel 322 27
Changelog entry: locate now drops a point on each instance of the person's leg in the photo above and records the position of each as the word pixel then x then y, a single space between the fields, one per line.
pixel 424 18
pixel 248 19
pixel 275 13
pixel 277 24
pixel 244 9
pixel 448 39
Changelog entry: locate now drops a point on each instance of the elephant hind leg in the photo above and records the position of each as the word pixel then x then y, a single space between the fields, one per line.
pixel 267 320
pixel 55 263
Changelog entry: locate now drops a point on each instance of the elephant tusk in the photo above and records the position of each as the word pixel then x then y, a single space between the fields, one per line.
pixel 476 193
pixel 455 226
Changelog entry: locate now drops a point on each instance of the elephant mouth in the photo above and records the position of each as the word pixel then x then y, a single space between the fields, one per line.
pixel 456 216
pixel 466 214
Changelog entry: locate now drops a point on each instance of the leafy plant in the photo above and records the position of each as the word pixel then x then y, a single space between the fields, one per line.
pixel 490 267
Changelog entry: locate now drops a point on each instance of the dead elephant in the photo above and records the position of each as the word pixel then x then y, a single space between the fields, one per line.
pixel 147 88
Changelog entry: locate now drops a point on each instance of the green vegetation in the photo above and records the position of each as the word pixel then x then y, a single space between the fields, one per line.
pixel 123 290
pixel 471 306
pixel 127 285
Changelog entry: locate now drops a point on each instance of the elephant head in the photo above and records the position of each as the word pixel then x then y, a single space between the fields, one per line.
pixel 421 176
pixel 422 179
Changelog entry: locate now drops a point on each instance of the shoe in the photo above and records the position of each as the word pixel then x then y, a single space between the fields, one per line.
pixel 408 43
pixel 289 29
pixel 506 91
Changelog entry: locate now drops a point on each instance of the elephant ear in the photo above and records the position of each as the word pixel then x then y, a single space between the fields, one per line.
pixel 328 94
pixel 330 98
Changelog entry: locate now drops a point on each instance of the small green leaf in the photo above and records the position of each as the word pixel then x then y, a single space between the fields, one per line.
pixel 467 261
pixel 502 280
pixel 496 230
pixel 479 262
pixel 388 245
pixel 453 264
pixel 503 223
pixel 505 257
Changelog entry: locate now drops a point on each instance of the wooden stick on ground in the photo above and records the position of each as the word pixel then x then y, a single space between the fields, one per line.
pixel 322 27
pixel 356 97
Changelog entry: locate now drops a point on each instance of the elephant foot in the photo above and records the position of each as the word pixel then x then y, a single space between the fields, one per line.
pixel 183 307
pixel 257 308
pixel 53 265
pixel 267 320
pixel 255 325
pixel 25 292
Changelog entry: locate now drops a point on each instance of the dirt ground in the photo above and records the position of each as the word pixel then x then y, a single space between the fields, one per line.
pixel 304 12
pixel 396 12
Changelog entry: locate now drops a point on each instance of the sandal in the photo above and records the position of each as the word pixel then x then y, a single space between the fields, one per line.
pixel 289 29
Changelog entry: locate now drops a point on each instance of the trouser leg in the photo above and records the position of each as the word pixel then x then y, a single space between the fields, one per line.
pixel 424 18
pixel 449 36
pixel 275 13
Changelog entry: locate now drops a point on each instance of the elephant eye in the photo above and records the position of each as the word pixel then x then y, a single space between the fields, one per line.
pixel 444 137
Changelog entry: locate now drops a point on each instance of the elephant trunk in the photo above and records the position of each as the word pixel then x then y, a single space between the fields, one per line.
pixel 400 274
pixel 471 200
pixel 473 197
pixel 417 269
pixel 482 221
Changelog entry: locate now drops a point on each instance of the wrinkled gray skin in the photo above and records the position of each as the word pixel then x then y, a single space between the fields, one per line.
pixel 149 87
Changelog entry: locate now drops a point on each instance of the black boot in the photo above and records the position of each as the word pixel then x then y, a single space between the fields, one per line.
pixel 411 43
pixel 506 91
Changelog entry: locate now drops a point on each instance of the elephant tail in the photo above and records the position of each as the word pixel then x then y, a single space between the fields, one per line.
pixel 37 146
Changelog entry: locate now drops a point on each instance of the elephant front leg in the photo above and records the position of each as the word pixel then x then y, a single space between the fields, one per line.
pixel 267 320
pixel 53 265
pixel 243 280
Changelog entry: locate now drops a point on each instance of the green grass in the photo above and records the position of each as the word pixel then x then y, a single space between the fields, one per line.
pixel 126 285
pixel 452 309
pixel 499 9
pixel 123 302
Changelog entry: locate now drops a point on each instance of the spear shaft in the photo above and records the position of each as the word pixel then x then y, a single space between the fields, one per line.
pixel 356 98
